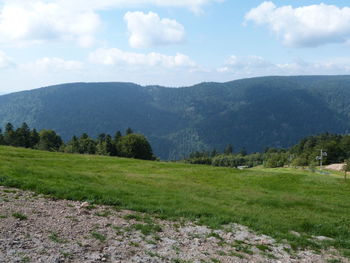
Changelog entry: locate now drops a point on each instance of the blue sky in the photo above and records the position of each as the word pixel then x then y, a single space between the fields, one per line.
pixel 169 42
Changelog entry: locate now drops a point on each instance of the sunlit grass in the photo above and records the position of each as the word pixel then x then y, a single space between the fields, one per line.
pixel 270 201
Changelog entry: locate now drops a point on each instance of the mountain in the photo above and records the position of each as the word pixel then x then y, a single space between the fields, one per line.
pixel 251 113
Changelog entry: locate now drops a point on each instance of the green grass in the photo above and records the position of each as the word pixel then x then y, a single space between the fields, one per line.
pixel 270 201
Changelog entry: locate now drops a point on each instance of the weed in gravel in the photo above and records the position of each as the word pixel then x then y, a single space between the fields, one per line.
pixel 19 216
pixel 66 255
pixel 157 238
pixel 176 249
pixel 179 260
pixel 147 229
pixel 98 236
pixel 268 255
pixel 235 254
pixel 55 238
pixel 135 217
pixel 177 227
pixel 25 259
pixel 221 253
pixel 263 248
pixel 73 218
pixel 151 254
pixel 151 242
pixel 222 243
pixel 216 235
pixel 194 235
pixel 241 246
pixel 90 207
pixel 3 216
pixel 134 244
pixel 105 213
pixel 288 250
pixel 118 230
pixel 334 260
pixel 215 260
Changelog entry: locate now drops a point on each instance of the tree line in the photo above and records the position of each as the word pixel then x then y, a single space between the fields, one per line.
pixel 130 145
pixel 226 158
pixel 305 153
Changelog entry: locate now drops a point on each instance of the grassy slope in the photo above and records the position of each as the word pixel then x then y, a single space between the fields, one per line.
pixel 272 201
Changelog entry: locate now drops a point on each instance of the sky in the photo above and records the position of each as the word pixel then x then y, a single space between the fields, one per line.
pixel 169 42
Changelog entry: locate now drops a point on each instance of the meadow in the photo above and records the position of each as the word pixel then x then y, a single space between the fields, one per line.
pixel 270 201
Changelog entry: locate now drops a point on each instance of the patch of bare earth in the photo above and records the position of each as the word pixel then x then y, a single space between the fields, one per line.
pixel 34 228
pixel 336 167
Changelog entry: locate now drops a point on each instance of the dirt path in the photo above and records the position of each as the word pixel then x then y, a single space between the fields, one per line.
pixel 34 228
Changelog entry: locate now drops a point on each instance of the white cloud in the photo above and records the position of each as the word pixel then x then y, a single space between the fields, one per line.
pixel 148 30
pixel 5 61
pixel 52 65
pixel 307 26
pixel 194 5
pixel 252 66
pixel 36 22
pixel 116 56
pixel 247 65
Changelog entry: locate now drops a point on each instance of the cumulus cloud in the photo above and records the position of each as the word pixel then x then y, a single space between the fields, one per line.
pixel 35 22
pixel 5 61
pixel 52 65
pixel 251 66
pixel 307 26
pixel 148 30
pixel 116 56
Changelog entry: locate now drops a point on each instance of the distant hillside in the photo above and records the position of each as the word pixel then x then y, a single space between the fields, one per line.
pixel 252 113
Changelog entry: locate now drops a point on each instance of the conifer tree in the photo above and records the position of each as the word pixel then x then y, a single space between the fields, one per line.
pixel 228 150
pixel 110 146
pixel 23 136
pixel 2 142
pixel 9 136
pixel 117 136
pixel 34 138
pixel 129 131
pixel 243 152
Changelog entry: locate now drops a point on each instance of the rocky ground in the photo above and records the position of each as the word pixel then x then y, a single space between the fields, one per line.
pixel 34 228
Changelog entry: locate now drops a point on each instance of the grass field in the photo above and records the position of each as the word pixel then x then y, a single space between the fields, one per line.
pixel 270 201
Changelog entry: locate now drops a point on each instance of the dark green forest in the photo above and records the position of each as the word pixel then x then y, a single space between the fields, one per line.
pixel 253 114
pixel 307 152
pixel 129 146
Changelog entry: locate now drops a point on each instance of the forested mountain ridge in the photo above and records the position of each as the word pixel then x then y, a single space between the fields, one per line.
pixel 251 113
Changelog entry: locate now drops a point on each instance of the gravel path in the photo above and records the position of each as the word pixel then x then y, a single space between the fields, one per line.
pixel 34 228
